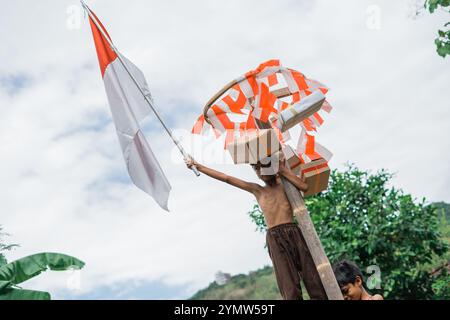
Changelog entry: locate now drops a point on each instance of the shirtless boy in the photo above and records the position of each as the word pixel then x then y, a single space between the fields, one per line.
pixel 351 282
pixel 290 256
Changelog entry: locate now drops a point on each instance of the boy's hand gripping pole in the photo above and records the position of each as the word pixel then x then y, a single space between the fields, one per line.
pixel 186 157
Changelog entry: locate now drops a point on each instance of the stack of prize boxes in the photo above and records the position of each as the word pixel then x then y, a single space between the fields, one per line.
pixel 261 144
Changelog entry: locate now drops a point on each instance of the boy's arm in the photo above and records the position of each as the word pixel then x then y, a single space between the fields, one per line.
pixel 241 184
pixel 292 177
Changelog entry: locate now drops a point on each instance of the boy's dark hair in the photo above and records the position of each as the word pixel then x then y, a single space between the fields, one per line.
pixel 346 272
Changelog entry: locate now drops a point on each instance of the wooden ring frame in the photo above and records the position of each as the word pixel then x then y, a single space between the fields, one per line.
pixel 279 93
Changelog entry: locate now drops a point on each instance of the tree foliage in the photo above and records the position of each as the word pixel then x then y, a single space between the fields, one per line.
pixel 364 219
pixel 14 273
pixel 443 40
pixel 4 247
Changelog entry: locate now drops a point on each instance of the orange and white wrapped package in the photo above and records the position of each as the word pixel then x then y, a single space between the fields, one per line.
pixel 292 159
pixel 269 96
pixel 301 110
pixel 317 174
pixel 254 146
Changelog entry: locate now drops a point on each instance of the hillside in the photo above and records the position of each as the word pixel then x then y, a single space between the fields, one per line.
pixel 258 285
pixel 261 284
pixel 443 210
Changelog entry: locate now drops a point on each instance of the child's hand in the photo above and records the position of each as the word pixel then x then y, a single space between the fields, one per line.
pixel 304 181
pixel 302 177
pixel 282 163
pixel 190 162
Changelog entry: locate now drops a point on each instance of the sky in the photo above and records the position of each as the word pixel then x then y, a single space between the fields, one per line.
pixel 63 181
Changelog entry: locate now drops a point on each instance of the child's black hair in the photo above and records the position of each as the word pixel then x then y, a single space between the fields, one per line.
pixel 346 272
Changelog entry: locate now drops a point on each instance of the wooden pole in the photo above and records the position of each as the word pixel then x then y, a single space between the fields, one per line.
pixel 309 233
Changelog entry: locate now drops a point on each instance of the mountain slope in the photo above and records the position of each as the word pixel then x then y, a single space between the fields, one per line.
pixel 257 285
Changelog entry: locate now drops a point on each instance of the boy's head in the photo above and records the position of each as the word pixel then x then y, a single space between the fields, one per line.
pixel 261 171
pixel 350 279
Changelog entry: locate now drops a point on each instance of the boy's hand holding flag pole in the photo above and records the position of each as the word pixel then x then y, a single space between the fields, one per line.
pixel 129 98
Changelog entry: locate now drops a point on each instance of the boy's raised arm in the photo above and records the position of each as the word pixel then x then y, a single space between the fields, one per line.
pixel 298 182
pixel 241 184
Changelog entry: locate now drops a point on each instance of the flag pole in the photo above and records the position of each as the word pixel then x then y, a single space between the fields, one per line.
pixel 185 155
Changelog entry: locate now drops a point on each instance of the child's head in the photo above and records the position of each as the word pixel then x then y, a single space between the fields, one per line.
pixel 350 279
pixel 267 178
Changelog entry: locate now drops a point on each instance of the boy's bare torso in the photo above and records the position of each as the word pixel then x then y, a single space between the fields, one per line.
pixel 274 204
pixel 271 197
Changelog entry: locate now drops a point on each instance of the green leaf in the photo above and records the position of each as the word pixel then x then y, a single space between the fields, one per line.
pixel 5 285
pixel 22 294
pixel 432 5
pixel 28 267
pixel 442 48
pixel 2 260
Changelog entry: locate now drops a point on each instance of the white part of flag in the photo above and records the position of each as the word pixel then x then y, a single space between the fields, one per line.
pixel 129 108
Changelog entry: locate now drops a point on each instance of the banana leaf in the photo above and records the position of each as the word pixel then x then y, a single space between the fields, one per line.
pixel 5 285
pixel 28 267
pixel 2 260
pixel 22 294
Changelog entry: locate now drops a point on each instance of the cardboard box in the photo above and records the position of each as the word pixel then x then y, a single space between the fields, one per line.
pixel 292 159
pixel 239 152
pixel 317 174
pixel 301 110
pixel 254 147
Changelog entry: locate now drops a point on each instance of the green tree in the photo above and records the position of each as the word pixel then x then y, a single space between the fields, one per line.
pixel 364 219
pixel 443 40
pixel 441 284
pixel 4 247
pixel 14 273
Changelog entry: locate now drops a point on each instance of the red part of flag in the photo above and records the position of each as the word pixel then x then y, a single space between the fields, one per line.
pixel 104 52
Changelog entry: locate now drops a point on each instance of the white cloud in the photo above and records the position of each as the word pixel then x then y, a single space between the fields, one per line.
pixel 63 181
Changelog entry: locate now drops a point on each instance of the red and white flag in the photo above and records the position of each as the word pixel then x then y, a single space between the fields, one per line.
pixel 129 108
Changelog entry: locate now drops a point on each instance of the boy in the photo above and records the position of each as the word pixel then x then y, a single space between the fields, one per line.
pixel 351 282
pixel 287 248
